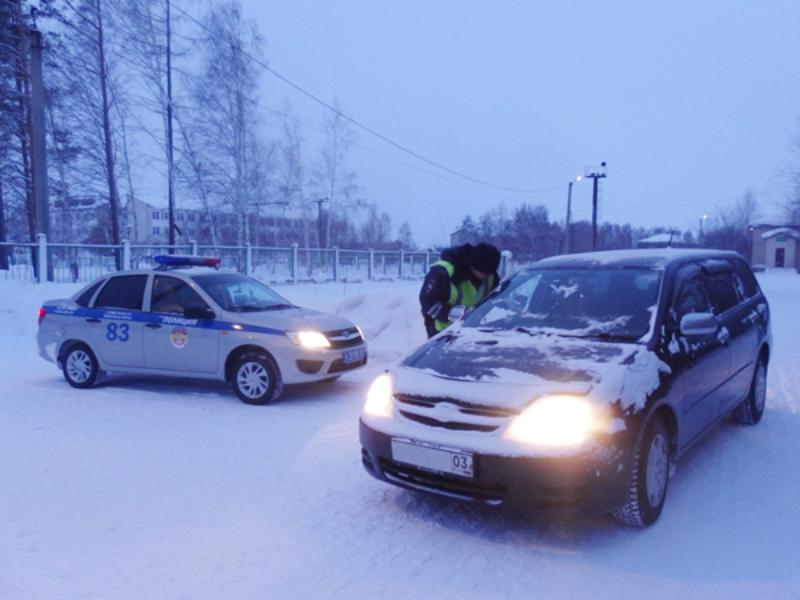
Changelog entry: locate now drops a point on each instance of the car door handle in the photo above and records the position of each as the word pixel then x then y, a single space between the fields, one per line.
pixel 153 325
pixel 92 320
pixel 724 336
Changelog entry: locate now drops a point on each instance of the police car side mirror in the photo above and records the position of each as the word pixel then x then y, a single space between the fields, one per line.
pixel 457 313
pixel 698 324
pixel 204 313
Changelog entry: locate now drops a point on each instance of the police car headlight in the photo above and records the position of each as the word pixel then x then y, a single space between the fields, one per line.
pixel 379 397
pixel 558 421
pixel 313 340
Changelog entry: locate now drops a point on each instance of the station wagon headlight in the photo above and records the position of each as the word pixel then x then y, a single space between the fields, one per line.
pixel 559 420
pixel 312 340
pixel 379 397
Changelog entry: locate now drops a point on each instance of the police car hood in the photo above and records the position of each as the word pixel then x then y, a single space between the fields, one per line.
pixel 292 319
pixel 510 369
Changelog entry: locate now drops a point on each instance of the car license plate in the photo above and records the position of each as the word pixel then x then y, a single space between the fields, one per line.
pixel 352 356
pixel 432 458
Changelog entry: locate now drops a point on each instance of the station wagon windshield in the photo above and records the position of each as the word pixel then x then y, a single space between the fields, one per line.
pixel 237 293
pixel 611 303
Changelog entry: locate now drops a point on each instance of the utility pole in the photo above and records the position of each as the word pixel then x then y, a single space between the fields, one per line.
pixel 569 214
pixel 38 139
pixel 320 228
pixel 595 173
pixel 170 161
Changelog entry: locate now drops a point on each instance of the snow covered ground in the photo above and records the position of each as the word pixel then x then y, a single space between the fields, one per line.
pixel 162 489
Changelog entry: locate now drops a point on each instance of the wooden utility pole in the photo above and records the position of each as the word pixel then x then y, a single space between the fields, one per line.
pixel 38 136
pixel 595 173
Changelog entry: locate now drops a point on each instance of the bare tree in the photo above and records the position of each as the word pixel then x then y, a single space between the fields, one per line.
pixel 224 115
pixel 95 92
pixel 331 174
pixel 792 208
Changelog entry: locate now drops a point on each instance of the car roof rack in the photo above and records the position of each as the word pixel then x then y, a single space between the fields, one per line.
pixel 176 261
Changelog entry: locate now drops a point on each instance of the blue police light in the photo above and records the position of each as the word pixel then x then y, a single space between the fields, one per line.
pixel 167 261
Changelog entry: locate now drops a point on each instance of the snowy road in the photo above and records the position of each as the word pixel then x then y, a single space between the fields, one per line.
pixel 157 489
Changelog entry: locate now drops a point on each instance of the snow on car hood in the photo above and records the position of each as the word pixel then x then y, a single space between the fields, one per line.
pixel 510 369
pixel 292 319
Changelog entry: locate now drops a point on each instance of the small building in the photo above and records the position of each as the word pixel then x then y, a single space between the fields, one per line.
pixel 776 246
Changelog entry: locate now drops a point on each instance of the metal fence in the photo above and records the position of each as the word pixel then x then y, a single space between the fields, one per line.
pixel 45 261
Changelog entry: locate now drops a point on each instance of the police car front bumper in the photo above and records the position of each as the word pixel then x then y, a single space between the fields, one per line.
pixel 591 483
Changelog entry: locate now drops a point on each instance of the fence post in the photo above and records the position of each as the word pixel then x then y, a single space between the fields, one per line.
pixel 505 255
pixel 427 262
pixel 126 255
pixel 248 259
pixel 371 264
pixel 294 262
pixel 194 247
pixel 41 275
pixel 335 264
pixel 400 264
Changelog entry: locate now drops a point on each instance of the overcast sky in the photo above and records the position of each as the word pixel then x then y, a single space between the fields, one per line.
pixel 690 103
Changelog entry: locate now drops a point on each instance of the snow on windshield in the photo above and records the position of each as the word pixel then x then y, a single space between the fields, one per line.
pixel 582 302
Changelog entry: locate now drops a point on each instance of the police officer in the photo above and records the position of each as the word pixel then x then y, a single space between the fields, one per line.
pixel 463 276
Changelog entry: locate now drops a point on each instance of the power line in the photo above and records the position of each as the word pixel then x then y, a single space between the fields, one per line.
pixel 368 129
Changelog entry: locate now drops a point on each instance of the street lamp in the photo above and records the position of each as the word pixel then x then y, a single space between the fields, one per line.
pixel 569 213
pixel 702 220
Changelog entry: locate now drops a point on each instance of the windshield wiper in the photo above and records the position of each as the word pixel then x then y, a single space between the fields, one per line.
pixel 259 307
pixel 614 337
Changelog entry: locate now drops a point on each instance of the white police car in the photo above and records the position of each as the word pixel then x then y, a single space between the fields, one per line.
pixel 184 320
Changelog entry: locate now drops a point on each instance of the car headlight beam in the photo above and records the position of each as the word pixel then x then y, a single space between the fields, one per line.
pixel 557 421
pixel 312 340
pixel 379 397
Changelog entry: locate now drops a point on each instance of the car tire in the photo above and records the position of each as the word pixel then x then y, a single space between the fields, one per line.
pixel 647 488
pixel 256 379
pixel 79 366
pixel 751 410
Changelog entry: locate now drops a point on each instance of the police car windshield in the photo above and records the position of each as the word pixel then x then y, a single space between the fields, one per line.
pixel 614 304
pixel 237 293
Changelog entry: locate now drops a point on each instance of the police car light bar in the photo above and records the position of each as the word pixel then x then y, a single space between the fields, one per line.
pixel 167 261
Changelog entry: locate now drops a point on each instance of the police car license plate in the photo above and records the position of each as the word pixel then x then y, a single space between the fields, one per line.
pixel 432 458
pixel 352 356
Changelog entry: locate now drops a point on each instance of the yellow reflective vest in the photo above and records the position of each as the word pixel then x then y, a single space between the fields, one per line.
pixel 464 293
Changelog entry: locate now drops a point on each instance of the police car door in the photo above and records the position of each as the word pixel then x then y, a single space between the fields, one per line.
pixel 175 338
pixel 115 324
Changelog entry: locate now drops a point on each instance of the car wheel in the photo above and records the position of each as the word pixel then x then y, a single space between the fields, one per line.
pixel 647 489
pixel 80 366
pixel 256 379
pixel 751 410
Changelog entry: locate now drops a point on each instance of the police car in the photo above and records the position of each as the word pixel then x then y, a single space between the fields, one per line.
pixel 185 319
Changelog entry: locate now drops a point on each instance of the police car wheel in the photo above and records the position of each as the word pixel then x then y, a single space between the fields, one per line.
pixel 80 366
pixel 256 379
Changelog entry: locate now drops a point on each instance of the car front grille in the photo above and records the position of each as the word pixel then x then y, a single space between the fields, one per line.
pixel 448 413
pixel 344 338
pixel 454 487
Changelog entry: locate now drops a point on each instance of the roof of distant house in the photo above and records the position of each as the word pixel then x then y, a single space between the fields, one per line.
pixel 781 231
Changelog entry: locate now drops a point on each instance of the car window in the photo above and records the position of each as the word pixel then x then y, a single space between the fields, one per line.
pixel 693 298
pixel 723 291
pixel 122 292
pixel 745 280
pixel 577 302
pixel 172 295
pixel 237 293
pixel 86 295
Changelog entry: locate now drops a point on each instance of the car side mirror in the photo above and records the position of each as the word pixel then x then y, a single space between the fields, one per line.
pixel 203 313
pixel 698 324
pixel 457 313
